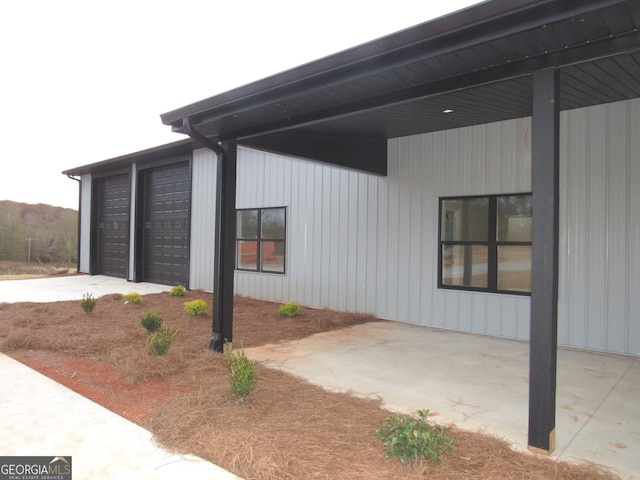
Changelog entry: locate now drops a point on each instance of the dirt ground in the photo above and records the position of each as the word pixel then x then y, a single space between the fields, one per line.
pixel 288 428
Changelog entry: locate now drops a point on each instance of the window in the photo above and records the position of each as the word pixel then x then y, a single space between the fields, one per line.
pixel 261 239
pixel 485 243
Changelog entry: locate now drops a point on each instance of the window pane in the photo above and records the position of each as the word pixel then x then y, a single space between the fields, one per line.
pixel 247 224
pixel 514 218
pixel 465 265
pixel 247 255
pixel 273 256
pixel 273 223
pixel 514 268
pixel 465 220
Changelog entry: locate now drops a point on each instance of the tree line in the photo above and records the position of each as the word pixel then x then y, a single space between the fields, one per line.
pixel 38 233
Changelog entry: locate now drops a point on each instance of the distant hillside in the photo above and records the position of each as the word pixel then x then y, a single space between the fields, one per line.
pixel 39 233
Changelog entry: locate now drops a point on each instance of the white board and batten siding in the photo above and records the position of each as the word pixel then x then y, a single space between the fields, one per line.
pixel 85 223
pixel 203 212
pixel 599 289
pixel 363 243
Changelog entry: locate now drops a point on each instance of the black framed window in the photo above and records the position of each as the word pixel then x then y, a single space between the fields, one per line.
pixel 261 239
pixel 485 243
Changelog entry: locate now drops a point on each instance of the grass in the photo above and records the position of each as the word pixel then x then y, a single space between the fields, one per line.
pixel 18 270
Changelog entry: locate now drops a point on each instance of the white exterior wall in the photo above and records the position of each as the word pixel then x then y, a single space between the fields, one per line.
pixel 133 189
pixel 599 285
pixel 85 223
pixel 331 231
pixel 363 243
pixel 486 159
pixel 203 212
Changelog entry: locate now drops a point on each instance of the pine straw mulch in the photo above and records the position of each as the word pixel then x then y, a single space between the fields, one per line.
pixel 288 428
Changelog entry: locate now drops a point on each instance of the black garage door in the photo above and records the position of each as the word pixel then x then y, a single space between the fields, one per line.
pixel 165 232
pixel 111 203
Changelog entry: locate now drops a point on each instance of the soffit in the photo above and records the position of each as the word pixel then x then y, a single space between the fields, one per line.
pixel 398 89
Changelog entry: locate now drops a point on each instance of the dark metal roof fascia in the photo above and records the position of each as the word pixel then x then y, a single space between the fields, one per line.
pixel 347 57
pixel 625 44
pixel 449 33
pixel 175 148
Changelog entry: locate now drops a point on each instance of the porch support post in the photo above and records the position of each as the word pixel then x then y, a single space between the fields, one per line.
pixel 225 247
pixel 544 288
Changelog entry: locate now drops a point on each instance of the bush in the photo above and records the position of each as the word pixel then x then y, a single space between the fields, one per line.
pixel 242 373
pixel 289 309
pixel 177 291
pixel 195 307
pixel 152 320
pixel 88 303
pixel 407 438
pixel 132 297
pixel 160 340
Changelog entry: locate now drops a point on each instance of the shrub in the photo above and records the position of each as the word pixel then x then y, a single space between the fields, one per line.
pixel 177 291
pixel 160 340
pixel 407 438
pixel 289 309
pixel 152 320
pixel 132 297
pixel 88 303
pixel 195 307
pixel 242 373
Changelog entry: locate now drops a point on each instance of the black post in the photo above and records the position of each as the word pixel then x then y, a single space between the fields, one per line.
pixel 225 247
pixel 544 288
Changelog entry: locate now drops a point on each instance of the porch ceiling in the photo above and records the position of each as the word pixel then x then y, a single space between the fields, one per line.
pixel 476 62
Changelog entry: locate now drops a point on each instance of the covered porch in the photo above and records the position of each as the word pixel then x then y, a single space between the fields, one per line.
pixel 497 61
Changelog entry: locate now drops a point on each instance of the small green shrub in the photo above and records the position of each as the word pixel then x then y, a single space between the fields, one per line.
pixel 152 320
pixel 177 291
pixel 132 297
pixel 160 340
pixel 242 373
pixel 289 309
pixel 407 438
pixel 88 303
pixel 195 307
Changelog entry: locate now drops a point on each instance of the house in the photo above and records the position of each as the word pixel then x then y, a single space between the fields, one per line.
pixel 478 172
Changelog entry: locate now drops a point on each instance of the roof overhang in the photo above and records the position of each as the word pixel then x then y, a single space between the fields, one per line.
pixel 476 62
pixel 142 157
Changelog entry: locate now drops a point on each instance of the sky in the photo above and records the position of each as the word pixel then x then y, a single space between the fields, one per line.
pixel 83 81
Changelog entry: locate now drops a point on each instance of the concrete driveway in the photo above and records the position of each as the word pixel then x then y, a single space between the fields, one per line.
pixel 73 287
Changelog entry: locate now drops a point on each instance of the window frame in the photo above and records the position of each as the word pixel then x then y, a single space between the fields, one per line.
pixel 259 242
pixel 492 243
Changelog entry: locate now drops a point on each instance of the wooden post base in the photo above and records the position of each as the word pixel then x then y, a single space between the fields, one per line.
pixel 552 445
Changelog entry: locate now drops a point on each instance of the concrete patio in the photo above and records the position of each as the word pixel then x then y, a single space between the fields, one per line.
pixel 477 383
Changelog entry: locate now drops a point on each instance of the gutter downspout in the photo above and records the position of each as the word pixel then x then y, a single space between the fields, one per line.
pixel 79 219
pixel 218 336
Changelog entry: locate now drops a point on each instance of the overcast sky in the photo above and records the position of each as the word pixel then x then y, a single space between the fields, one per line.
pixel 86 80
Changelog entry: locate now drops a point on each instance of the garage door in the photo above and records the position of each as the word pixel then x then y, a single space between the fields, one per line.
pixel 112 235
pixel 166 225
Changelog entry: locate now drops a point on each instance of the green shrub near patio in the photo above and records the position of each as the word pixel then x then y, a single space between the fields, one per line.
pixel 289 309
pixel 195 307
pixel 152 320
pixel 132 297
pixel 160 340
